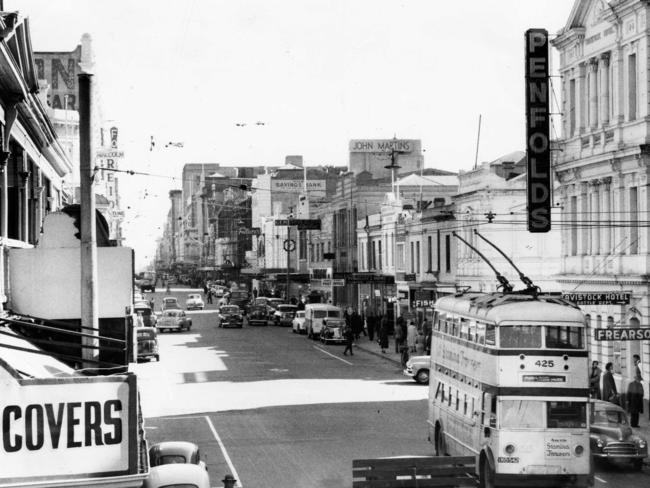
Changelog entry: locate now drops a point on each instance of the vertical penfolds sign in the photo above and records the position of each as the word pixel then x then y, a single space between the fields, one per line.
pixel 538 142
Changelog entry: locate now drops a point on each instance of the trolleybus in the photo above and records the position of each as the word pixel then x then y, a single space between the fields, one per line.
pixel 508 385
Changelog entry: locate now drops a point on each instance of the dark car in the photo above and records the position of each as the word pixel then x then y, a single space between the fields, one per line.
pixel 332 331
pixel 230 316
pixel 612 438
pixel 173 452
pixel 284 314
pixel 239 298
pixel 258 315
pixel 147 340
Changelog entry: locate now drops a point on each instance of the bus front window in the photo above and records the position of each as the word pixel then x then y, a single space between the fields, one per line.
pixel 520 336
pixel 572 415
pixel 564 337
pixel 522 414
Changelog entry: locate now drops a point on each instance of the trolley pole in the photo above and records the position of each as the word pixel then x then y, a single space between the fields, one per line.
pixel 89 303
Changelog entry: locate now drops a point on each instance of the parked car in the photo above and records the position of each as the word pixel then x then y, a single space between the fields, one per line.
pixel 332 331
pixel 315 313
pixel 258 315
pixel 284 314
pixel 172 452
pixel 230 316
pixel 174 319
pixel 148 282
pixel 417 367
pixel 177 475
pixel 143 309
pixel 275 302
pixel 147 340
pixel 194 302
pixel 169 303
pixel 298 323
pixel 239 298
pixel 612 438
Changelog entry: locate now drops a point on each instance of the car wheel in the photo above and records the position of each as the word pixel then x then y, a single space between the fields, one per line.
pixel 487 475
pixel 293 330
pixel 422 377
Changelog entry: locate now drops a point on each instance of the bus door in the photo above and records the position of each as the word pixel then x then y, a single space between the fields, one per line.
pixel 488 419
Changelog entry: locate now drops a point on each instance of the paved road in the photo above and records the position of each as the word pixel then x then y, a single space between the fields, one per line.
pixel 280 410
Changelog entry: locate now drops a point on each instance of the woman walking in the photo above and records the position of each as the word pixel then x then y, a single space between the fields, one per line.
pixel 383 334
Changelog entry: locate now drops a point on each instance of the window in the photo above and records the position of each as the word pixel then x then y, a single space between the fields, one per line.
pixel 520 336
pixel 400 256
pixel 429 255
pixel 448 253
pixel 564 337
pixel 472 330
pixel 631 86
pixel 480 332
pixel 634 218
pixel 412 259
pixel 490 334
pixel 522 414
pixel 464 328
pixel 417 256
pixel 379 244
pixel 572 107
pixel 573 220
pixel 566 415
pixel 438 250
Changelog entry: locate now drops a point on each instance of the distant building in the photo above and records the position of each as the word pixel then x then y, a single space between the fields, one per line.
pixel 373 155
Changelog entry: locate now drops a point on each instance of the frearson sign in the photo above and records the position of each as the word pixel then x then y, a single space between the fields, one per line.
pixel 620 334
pixel 538 143
pixel 68 428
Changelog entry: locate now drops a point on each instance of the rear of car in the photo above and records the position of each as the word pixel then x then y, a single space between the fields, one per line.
pixel 170 303
pixel 284 314
pixel 230 316
pixel 258 315
pixel 194 302
pixel 298 323
pixel 239 298
pixel 147 340
pixel 332 331
pixel 173 320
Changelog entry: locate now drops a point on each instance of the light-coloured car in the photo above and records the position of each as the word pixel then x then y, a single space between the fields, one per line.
pixel 417 367
pixel 315 314
pixel 174 319
pixel 298 323
pixel 194 302
pixel 177 475
pixel 284 314
pixel 174 452
pixel 169 303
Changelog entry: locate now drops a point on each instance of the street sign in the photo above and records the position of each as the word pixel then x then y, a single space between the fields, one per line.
pixel 113 154
pixel 289 245
pixel 302 224
pixel 338 282
pixel 621 334
pixel 598 298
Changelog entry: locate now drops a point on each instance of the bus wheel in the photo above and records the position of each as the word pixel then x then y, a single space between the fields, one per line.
pixel 487 474
pixel 440 448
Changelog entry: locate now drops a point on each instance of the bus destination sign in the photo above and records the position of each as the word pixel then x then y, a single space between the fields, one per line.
pixel 598 298
pixel 621 334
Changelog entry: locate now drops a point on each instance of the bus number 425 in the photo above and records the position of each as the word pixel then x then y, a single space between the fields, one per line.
pixel 545 363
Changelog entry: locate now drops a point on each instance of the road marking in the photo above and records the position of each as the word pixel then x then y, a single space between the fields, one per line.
pixel 233 471
pixel 600 479
pixel 330 354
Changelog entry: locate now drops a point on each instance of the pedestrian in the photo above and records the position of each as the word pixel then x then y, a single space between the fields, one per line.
pixel 610 393
pixel 635 393
pixel 419 344
pixel 205 290
pixel 356 322
pixel 229 481
pixel 594 380
pixel 411 334
pixel 210 295
pixel 383 334
pixel 400 335
pixel 404 354
pixel 348 334
pixel 426 329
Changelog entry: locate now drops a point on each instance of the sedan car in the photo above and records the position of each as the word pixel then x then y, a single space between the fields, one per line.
pixel 284 314
pixel 298 323
pixel 230 316
pixel 417 367
pixel 258 315
pixel 174 320
pixel 169 303
pixel 143 309
pixel 177 475
pixel 611 436
pixel 147 344
pixel 332 331
pixel 194 302
pixel 172 452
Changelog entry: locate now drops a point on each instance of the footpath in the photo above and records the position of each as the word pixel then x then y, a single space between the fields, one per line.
pixel 371 347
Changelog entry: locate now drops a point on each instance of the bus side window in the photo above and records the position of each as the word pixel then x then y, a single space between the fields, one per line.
pixel 472 330
pixel 465 405
pixel 456 326
pixel 450 397
pixel 439 389
pixel 464 328
pixel 457 400
pixel 480 332
pixel 490 334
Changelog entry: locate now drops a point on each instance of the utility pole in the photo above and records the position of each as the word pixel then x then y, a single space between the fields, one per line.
pixel 89 303
pixel 288 244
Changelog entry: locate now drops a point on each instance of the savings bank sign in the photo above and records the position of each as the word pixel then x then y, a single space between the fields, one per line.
pixel 68 428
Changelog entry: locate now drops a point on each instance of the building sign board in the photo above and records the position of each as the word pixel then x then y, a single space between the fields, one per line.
pixel 538 141
pixel 370 278
pixel 253 231
pixel 598 298
pixel 314 187
pixel 622 334
pixel 110 154
pixel 383 145
pixel 302 224
pixel 338 282
pixel 68 428
pixel 423 303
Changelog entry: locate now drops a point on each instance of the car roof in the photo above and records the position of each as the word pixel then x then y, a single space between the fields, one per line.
pixel 604 405
pixel 170 299
pixel 177 473
pixel 321 306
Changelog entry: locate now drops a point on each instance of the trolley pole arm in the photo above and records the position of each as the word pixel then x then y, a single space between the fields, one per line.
pixel 525 279
pixel 507 287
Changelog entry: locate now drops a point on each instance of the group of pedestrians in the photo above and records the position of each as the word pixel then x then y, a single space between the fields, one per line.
pixel 634 395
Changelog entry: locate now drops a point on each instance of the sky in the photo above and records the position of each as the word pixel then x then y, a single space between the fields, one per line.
pixel 317 73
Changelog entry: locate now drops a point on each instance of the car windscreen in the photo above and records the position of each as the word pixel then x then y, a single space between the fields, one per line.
pixel 611 416
pixel 171 313
pixel 172 459
pixel 319 314
pixel 229 309
pixel 334 313
pixel 287 308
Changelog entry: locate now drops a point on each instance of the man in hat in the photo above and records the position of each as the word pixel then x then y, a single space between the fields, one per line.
pixel 229 481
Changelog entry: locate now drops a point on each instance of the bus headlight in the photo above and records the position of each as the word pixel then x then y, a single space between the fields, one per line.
pixel 579 450
pixel 510 448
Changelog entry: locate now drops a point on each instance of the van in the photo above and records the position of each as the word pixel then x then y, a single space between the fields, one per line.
pixel 314 315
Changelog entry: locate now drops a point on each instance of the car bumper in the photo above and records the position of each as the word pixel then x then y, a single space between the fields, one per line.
pixel 231 324
pixel 620 457
pixel 408 372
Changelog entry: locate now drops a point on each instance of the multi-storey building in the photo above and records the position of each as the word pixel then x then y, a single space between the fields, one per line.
pixel 603 169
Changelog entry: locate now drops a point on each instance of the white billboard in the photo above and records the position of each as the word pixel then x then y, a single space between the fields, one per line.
pixel 384 145
pixel 314 187
pixel 67 429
